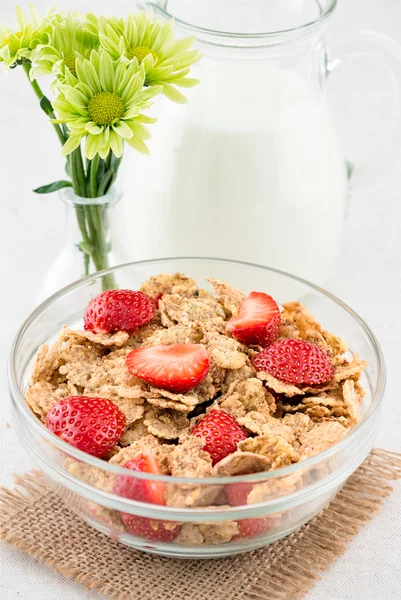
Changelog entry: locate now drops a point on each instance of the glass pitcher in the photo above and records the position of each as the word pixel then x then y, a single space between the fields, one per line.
pixel 252 167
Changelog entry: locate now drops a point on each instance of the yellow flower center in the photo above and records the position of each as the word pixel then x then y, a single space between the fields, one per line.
pixel 140 52
pixel 105 108
pixel 69 62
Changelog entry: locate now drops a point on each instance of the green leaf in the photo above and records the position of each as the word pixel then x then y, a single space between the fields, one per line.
pixel 86 248
pixel 46 105
pixel 52 187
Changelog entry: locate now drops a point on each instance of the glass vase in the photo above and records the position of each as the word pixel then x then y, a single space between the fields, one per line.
pixel 89 244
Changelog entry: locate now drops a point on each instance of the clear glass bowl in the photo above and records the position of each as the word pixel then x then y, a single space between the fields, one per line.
pixel 281 500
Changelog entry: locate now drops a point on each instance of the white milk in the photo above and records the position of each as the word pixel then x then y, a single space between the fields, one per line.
pixel 249 171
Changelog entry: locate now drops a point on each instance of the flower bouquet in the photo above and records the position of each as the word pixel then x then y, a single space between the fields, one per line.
pixel 105 73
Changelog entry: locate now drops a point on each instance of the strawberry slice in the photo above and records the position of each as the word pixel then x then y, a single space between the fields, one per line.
pixel 251 527
pixel 118 310
pixel 176 367
pixel 144 490
pixel 221 433
pixel 141 489
pixel 149 529
pixel 93 425
pixel 237 495
pixel 295 361
pixel 257 322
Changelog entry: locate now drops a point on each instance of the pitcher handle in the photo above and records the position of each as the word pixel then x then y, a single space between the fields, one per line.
pixel 382 157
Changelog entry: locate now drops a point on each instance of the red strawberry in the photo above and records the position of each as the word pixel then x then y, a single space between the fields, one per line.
pixel 158 297
pixel 221 432
pixel 149 529
pixel 237 494
pixel 258 320
pixel 118 310
pixel 295 361
pixel 141 489
pixel 251 527
pixel 177 367
pixel 151 492
pixel 93 425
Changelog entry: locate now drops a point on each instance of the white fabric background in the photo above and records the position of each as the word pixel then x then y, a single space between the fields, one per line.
pixel 368 278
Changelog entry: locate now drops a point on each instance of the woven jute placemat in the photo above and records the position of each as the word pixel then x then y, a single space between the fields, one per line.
pixel 33 518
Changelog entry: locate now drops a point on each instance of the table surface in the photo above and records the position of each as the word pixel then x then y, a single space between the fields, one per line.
pixel 367 277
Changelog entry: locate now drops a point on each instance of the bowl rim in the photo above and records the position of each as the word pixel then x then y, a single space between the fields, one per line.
pixel 20 404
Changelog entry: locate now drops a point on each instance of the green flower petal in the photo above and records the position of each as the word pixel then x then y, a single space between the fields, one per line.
pixel 173 94
pixel 106 72
pixel 103 152
pixel 144 119
pixel 87 74
pixel 123 130
pixel 76 99
pixel 91 146
pixel 104 137
pixel 116 144
pixel 71 144
pixel 93 128
pixel 138 145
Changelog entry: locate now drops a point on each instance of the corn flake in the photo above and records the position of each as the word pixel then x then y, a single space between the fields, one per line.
pixel 166 424
pixel 274 447
pixel 228 297
pixel 241 463
pixel 321 436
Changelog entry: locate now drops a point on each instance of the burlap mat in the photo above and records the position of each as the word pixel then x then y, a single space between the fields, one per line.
pixel 33 518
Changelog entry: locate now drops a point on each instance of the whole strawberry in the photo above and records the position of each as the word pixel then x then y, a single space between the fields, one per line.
pixel 118 310
pixel 257 322
pixel 144 490
pixel 295 361
pixel 221 433
pixel 93 425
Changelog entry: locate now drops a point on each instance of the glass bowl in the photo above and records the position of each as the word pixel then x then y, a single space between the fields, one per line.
pixel 199 509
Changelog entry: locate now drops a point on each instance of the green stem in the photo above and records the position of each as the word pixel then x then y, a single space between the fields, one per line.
pixel 78 173
pixel 90 222
pixel 93 175
pixel 38 91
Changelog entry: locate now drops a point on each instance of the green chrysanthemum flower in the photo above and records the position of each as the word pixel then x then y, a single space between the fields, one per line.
pixel 102 103
pixel 151 43
pixel 16 46
pixel 67 39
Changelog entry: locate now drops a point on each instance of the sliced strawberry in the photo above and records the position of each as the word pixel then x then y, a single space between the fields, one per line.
pixel 177 367
pixel 237 495
pixel 149 529
pixel 118 310
pixel 221 433
pixel 251 527
pixel 144 490
pixel 295 361
pixel 258 320
pixel 140 489
pixel 93 425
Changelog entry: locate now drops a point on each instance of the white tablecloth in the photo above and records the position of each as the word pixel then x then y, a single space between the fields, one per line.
pixel 368 278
